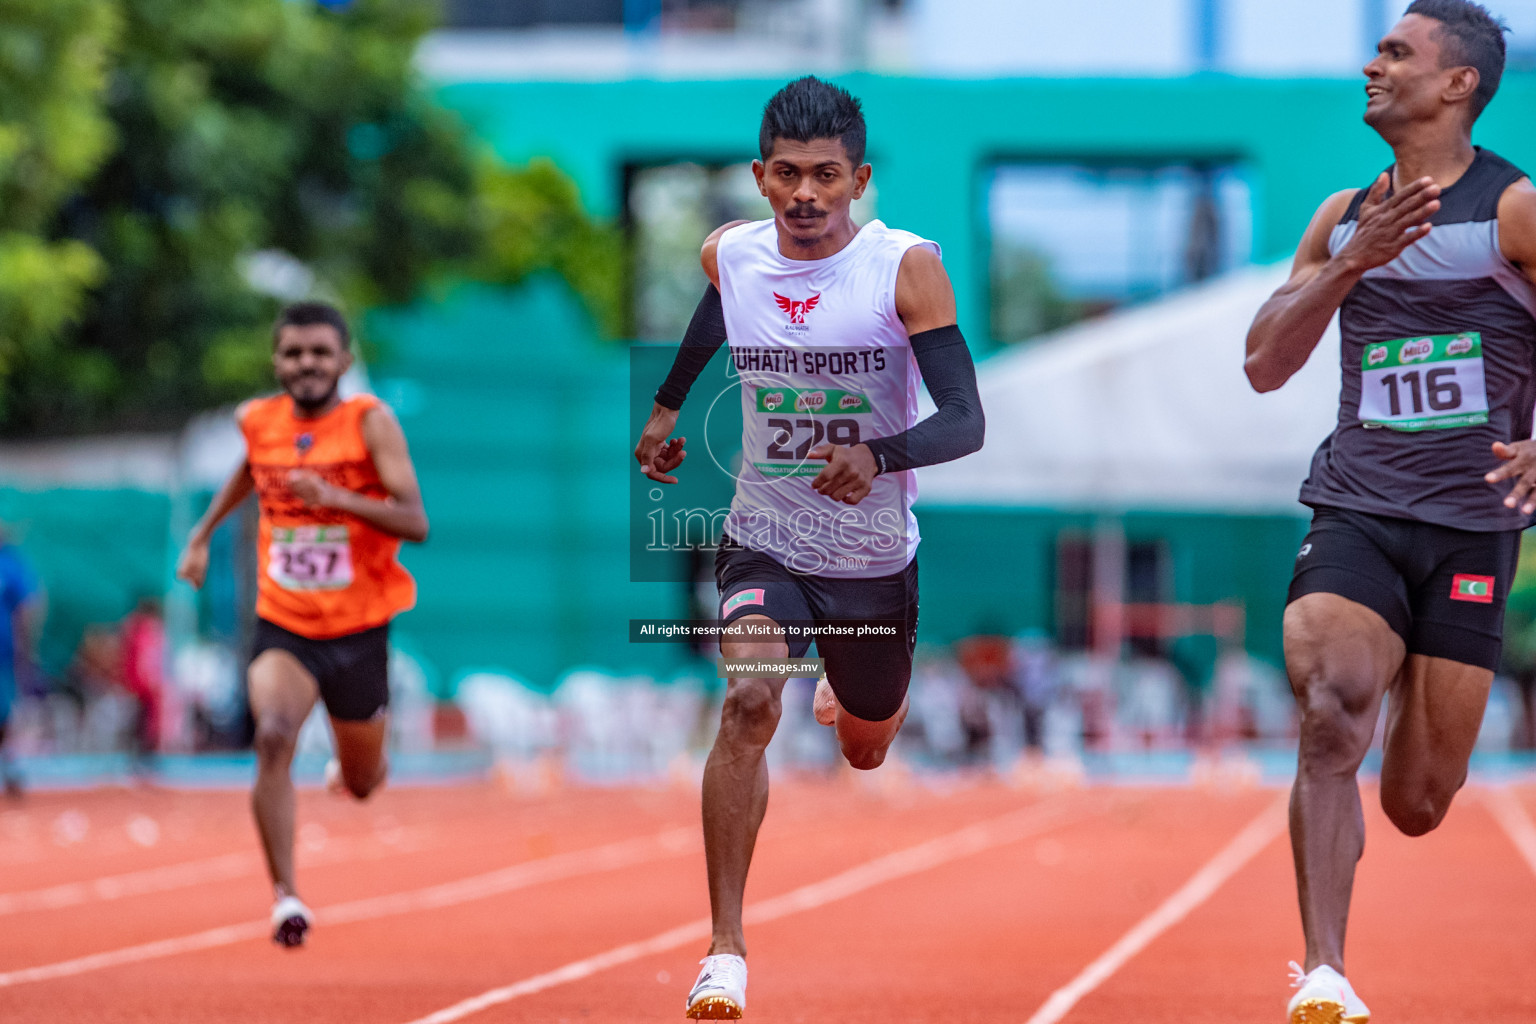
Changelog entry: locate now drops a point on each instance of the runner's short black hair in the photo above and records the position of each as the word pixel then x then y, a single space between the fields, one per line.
pixel 1469 36
pixel 808 109
pixel 307 314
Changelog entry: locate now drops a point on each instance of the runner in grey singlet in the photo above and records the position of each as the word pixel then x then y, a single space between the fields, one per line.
pixel 1443 338
pixel 1395 610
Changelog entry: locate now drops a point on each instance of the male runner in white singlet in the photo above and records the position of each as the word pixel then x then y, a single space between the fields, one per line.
pixel 832 329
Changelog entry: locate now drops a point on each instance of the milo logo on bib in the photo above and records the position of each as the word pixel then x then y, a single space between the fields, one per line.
pixel 1425 383
pixel 811 401
pixel 821 401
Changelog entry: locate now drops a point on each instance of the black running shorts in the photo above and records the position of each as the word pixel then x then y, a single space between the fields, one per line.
pixel 352 670
pixel 1442 590
pixel 869 677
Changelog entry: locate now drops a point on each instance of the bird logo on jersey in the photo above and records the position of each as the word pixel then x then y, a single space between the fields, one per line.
pixel 797 308
pixel 304 442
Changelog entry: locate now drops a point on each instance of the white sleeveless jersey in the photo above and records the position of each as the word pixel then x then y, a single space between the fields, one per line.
pixel 822 357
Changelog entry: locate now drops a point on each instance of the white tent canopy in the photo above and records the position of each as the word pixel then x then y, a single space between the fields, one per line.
pixel 1147 408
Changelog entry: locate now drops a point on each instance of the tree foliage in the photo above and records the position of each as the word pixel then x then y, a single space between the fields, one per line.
pixel 263 149
pixel 534 221
pixel 53 134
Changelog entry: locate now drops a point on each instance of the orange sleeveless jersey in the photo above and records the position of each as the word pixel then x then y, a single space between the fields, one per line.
pixel 322 573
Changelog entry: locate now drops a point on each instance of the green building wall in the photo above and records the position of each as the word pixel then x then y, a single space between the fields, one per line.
pixel 522 420
pixel 933 142
pixel 97 552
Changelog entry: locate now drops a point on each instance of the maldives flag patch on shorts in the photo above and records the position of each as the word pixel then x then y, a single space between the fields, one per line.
pixel 741 599
pixel 1472 588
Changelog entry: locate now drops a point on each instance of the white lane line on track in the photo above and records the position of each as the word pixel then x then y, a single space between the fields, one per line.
pixel 561 866
pixel 1513 818
pixel 113 887
pixel 1258 834
pixel 195 872
pixel 972 839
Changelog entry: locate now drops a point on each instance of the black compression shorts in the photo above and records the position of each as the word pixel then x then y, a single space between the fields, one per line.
pixel 352 671
pixel 1442 590
pixel 869 677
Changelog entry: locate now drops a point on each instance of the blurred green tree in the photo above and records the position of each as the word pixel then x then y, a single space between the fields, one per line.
pixel 54 134
pixel 270 150
pixel 1026 302
pixel 534 221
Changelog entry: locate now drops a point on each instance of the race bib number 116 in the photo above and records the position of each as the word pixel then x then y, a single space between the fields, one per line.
pixel 1430 383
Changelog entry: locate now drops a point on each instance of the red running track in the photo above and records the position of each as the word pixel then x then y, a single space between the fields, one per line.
pixel 882 898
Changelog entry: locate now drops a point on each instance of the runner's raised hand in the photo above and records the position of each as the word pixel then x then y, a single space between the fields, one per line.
pixel 309 487
pixel 1390 224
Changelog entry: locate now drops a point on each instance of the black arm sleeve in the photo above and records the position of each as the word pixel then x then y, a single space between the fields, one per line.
pixel 705 335
pixel 957 427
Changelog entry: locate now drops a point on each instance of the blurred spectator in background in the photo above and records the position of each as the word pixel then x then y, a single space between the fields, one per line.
pixel 22 607
pixel 143 673
pixel 1036 677
pixel 89 715
pixel 987 661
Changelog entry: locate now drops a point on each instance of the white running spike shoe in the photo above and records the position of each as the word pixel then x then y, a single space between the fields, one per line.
pixel 1324 997
pixel 824 704
pixel 721 991
pixel 290 920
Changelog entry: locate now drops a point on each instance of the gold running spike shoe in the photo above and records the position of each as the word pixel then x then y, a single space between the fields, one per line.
pixel 721 991
pixel 1324 997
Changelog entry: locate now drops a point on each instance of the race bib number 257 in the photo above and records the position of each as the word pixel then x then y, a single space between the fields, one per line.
pixel 310 558
pixel 1429 383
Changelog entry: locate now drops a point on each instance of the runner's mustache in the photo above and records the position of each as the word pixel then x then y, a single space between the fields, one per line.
pixel 803 211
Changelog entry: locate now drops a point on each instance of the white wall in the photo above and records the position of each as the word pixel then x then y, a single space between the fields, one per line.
pixel 1159 37
pixel 961 38
pixel 1019 37
pixel 1295 37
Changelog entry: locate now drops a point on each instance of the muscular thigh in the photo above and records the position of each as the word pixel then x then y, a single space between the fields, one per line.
pixel 360 745
pixel 1340 655
pixel 1435 713
pixel 280 688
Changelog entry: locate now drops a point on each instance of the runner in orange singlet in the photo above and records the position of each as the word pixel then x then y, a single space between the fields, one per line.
pixel 337 493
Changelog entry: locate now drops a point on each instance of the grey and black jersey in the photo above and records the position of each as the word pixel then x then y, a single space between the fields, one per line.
pixel 1437 357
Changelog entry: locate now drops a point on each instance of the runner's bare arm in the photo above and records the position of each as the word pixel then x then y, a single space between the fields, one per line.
pixel 1517 240
pixel 402 514
pixel 708 255
pixel 1517 226
pixel 1289 326
pixel 925 299
pixel 193 564
pixel 657 451
pixel 925 302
